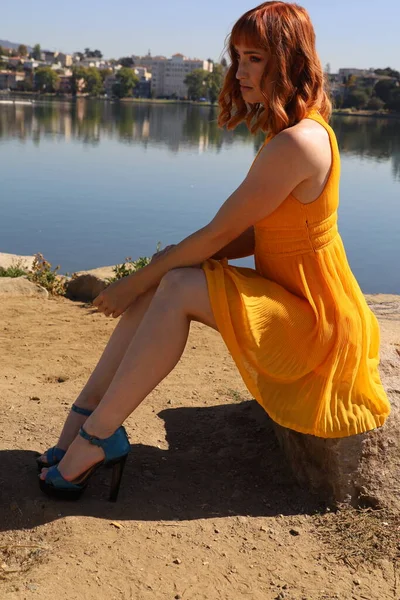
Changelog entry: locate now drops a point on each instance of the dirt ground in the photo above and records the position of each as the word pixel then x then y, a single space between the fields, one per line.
pixel 208 507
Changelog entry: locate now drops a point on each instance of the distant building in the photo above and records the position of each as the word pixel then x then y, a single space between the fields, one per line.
pixel 99 63
pixel 65 59
pixel 64 84
pixel 14 61
pixel 345 73
pixel 49 57
pixel 142 90
pixel 148 61
pixel 30 64
pixel 9 79
pixel 168 76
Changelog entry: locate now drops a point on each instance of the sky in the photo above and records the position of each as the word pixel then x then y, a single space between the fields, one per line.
pixel 350 33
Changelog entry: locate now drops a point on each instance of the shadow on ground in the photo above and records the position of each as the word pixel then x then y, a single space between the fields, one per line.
pixel 221 461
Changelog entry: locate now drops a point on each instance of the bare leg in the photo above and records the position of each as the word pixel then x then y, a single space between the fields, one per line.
pixel 154 351
pixel 106 368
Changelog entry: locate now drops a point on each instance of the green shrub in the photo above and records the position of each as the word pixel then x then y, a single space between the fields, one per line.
pixel 15 270
pixel 44 275
pixel 130 266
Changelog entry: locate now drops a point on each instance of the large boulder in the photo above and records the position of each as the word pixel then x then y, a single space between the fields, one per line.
pixel 20 286
pixel 101 272
pixel 361 470
pixel 85 288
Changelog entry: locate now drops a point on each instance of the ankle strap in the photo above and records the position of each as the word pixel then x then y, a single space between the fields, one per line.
pixel 114 447
pixel 91 438
pixel 81 411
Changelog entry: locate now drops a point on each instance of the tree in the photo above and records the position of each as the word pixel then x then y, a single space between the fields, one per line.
pixel 388 72
pixel 196 83
pixel 25 85
pixel 22 50
pixel 36 52
pixel 104 73
pixel 92 53
pixel 46 79
pixel 394 102
pixel 126 61
pixel 78 80
pixel 384 89
pixel 375 103
pixel 126 83
pixel 94 82
pixel 2 62
pixel 357 99
pixel 214 81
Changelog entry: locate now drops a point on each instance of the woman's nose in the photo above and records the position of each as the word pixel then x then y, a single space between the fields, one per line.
pixel 241 72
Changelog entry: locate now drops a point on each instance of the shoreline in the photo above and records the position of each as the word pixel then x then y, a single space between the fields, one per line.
pixel 37 98
pixel 107 271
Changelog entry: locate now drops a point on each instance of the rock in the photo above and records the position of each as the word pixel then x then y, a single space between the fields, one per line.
pixel 85 288
pixel 10 260
pixel 361 470
pixel 100 272
pixel 20 286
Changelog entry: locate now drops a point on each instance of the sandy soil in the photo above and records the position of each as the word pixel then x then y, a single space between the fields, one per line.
pixel 208 508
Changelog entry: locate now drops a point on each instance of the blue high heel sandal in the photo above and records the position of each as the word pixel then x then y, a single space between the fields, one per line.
pixel 116 449
pixel 54 455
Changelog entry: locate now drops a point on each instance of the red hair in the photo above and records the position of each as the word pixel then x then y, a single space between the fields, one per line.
pixel 293 72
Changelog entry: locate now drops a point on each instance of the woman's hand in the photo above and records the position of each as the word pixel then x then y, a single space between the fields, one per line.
pixel 161 252
pixel 116 298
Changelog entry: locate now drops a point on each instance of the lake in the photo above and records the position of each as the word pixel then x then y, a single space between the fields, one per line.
pixel 90 183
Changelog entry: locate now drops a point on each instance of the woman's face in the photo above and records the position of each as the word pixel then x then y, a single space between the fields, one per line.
pixel 251 66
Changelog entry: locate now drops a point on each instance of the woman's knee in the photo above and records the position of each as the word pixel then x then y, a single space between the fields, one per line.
pixel 173 281
pixel 140 305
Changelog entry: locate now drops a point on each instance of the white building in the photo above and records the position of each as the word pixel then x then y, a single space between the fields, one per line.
pixel 355 72
pixel 168 76
pixel 148 61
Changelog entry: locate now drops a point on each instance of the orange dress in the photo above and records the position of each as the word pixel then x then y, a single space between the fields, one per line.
pixel 298 326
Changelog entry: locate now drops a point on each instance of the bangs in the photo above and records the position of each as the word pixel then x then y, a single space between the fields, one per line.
pixel 250 32
pixel 292 82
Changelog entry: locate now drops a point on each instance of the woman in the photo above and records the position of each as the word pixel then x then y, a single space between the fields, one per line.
pixel 298 326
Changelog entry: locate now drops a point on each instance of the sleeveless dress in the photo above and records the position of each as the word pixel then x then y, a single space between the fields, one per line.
pixel 298 326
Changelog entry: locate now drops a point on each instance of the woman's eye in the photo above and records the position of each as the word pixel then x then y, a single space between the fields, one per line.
pixel 255 59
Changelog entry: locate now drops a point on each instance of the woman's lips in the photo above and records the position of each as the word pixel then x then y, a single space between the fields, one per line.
pixel 246 87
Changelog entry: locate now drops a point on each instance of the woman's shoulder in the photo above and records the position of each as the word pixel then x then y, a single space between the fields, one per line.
pixel 309 140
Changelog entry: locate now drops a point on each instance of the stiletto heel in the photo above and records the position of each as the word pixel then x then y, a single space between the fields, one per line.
pixel 118 469
pixel 116 449
pixel 54 455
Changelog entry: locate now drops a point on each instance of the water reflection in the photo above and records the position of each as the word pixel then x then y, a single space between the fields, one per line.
pixel 178 127
pixel 376 139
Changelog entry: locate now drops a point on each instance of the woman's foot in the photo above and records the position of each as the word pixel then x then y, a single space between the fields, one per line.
pixel 80 456
pixel 69 479
pixel 74 421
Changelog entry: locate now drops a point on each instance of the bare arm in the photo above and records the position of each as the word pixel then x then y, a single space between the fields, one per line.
pixel 242 246
pixel 281 166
